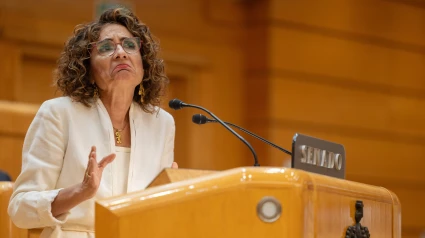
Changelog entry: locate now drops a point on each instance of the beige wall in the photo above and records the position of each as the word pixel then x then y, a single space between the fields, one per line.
pixel 348 71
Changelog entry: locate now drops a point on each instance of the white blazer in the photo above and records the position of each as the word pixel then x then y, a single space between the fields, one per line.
pixel 55 156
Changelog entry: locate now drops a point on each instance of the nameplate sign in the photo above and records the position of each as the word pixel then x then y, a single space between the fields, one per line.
pixel 318 156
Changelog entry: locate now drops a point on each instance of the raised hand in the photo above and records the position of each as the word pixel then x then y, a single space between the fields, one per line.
pixel 93 174
pixel 70 197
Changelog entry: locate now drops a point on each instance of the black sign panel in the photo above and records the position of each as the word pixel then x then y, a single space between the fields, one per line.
pixel 318 156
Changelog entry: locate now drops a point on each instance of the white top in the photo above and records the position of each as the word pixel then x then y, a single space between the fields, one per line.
pixel 120 168
pixel 55 156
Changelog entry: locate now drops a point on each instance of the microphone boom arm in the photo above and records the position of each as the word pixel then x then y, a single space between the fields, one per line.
pixel 227 127
pixel 254 135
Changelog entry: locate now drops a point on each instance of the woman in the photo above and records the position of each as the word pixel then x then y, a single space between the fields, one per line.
pixel 106 136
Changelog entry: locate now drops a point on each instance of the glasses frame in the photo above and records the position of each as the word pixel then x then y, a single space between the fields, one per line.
pixel 93 45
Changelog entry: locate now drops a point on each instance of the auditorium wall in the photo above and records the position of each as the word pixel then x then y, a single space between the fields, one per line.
pixel 351 72
pixel 347 71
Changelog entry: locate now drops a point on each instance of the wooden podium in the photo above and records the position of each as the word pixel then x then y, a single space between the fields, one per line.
pixel 249 202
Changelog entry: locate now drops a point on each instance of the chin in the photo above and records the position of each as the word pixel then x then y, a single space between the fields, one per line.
pixel 124 77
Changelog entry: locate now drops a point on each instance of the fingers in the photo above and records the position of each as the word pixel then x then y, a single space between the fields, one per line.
pixel 174 165
pixel 106 160
pixel 90 163
pixel 93 149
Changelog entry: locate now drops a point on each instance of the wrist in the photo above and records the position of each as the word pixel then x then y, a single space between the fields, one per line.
pixel 82 193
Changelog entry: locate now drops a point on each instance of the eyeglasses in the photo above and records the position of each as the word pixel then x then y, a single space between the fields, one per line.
pixel 108 47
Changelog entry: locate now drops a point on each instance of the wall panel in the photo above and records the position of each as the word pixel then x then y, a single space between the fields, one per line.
pixel 37 80
pixel 391 22
pixel 307 100
pixel 348 61
pixel 350 72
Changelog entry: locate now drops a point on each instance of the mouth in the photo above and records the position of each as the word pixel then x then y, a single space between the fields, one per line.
pixel 122 67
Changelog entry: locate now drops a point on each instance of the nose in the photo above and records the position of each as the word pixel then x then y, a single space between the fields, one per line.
pixel 120 52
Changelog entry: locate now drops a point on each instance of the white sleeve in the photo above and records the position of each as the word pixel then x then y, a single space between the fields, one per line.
pixel 42 159
pixel 168 153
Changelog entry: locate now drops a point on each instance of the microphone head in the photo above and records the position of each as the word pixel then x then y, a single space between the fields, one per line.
pixel 175 104
pixel 199 119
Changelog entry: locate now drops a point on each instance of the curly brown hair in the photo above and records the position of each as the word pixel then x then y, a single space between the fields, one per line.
pixel 72 75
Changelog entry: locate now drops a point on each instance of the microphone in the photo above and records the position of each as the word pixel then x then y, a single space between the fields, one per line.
pixel 201 119
pixel 177 104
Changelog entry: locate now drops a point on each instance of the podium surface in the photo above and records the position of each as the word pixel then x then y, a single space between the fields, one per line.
pixel 242 202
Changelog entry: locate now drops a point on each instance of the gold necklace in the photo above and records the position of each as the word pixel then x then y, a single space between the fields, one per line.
pixel 118 134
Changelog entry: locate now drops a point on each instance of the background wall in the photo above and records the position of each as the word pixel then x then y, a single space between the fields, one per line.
pixel 348 71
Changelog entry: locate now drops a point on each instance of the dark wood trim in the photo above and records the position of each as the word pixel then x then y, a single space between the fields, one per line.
pixel 346 131
pixel 343 35
pixel 339 82
pixel 410 3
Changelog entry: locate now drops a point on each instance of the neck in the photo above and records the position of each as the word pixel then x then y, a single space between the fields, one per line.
pixel 118 108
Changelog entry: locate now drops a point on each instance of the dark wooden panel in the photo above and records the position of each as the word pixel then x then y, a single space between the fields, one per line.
pixel 37 80
pixel 10 70
pixel 378 22
pixel 342 59
pixel 334 108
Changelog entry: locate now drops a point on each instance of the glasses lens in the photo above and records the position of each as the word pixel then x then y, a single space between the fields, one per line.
pixel 105 47
pixel 131 45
